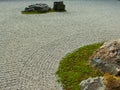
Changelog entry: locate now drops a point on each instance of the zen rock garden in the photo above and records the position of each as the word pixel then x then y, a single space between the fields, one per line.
pixel 106 59
pixel 43 8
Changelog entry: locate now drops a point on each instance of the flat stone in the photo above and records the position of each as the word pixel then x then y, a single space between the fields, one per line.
pixel 37 8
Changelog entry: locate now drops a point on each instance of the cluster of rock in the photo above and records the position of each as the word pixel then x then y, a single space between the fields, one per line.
pixel 107 82
pixel 37 8
pixel 58 6
pixel 106 59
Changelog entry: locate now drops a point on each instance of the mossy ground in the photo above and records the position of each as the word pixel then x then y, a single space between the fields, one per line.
pixel 25 12
pixel 74 67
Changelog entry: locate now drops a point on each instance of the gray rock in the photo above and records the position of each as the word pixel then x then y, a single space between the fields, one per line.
pixel 29 9
pixel 37 8
pixel 106 67
pixel 93 84
pixel 107 57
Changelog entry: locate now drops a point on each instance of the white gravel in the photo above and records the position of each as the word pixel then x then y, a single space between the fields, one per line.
pixel 31 46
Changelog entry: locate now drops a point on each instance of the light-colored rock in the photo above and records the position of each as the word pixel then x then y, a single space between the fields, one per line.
pixel 107 82
pixel 93 84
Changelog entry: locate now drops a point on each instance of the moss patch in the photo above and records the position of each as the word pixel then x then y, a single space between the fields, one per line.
pixel 25 12
pixel 74 67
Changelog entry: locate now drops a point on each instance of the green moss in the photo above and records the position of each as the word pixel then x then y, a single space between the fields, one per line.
pixel 74 67
pixel 25 12
pixel 52 10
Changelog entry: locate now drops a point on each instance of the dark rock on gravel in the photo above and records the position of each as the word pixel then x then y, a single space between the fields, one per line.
pixel 59 6
pixel 37 8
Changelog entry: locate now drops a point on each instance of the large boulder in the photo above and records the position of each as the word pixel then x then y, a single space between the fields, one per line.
pixel 107 57
pixel 37 8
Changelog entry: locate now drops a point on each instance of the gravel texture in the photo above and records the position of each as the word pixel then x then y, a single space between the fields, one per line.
pixel 31 46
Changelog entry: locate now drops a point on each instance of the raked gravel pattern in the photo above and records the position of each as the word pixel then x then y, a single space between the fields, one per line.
pixel 31 46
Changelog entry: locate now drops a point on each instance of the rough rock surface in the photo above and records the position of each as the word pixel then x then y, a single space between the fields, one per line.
pixel 37 8
pixel 93 84
pixel 111 82
pixel 107 82
pixel 107 57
